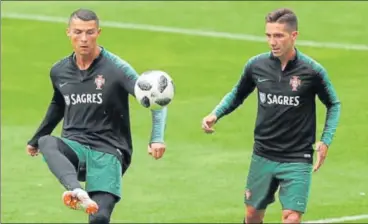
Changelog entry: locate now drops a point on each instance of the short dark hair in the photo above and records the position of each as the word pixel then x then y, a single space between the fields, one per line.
pixel 85 15
pixel 283 15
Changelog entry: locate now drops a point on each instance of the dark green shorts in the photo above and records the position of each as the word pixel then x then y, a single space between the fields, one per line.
pixel 103 170
pixel 266 176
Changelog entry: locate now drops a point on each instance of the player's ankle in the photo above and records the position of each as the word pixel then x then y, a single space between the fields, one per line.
pixel 76 190
pixel 79 192
pixel 253 220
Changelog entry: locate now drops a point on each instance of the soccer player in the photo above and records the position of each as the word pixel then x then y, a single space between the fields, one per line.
pixel 287 82
pixel 91 91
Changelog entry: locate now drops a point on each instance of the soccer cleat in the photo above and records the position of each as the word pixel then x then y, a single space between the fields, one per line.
pixel 69 200
pixel 79 200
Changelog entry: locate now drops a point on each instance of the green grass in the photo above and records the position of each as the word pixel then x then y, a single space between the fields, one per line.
pixel 360 221
pixel 201 177
pixel 237 16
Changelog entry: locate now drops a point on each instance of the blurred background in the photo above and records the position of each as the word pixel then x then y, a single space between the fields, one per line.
pixel 204 47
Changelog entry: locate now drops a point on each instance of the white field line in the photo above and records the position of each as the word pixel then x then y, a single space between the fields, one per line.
pixel 341 219
pixel 192 32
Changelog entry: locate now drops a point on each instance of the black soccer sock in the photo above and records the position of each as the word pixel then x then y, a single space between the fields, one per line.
pixel 55 154
pixel 106 203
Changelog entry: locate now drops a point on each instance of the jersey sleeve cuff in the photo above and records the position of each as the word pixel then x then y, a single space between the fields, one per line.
pixel 33 142
pixel 326 141
pixel 217 113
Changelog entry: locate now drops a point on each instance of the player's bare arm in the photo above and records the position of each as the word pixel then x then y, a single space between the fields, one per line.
pixel 54 115
pixel 328 96
pixel 231 100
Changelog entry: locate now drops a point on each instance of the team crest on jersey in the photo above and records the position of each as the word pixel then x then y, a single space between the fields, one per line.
pixel 99 81
pixel 295 83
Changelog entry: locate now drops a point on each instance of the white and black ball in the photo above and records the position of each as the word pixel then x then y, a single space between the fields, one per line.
pixel 154 89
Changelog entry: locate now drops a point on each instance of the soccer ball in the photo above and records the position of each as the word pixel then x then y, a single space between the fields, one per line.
pixel 154 89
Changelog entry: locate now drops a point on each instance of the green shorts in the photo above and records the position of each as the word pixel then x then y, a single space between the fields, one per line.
pixel 102 170
pixel 266 176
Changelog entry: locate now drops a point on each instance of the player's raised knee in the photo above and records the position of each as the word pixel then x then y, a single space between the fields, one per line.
pixel 45 140
pixel 99 219
pixel 289 216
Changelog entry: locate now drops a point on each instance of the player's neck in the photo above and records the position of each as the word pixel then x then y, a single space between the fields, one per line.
pixel 287 57
pixel 84 61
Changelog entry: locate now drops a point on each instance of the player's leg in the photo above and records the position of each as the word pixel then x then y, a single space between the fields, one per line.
pixel 104 173
pixel 103 183
pixel 260 189
pixel 63 161
pixel 253 215
pixel 106 203
pixel 295 180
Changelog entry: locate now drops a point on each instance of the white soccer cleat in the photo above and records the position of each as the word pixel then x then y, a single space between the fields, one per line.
pixel 79 199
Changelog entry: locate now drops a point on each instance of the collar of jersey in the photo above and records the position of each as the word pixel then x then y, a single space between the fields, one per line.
pixel 95 61
pixel 292 60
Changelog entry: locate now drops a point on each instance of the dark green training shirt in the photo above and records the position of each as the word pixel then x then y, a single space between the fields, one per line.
pixel 94 105
pixel 286 120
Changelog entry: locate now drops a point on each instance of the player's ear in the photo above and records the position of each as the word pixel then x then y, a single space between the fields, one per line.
pixel 294 35
pixel 68 32
pixel 99 31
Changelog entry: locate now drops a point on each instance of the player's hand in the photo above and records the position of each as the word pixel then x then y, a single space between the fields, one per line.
pixel 156 150
pixel 322 150
pixel 208 123
pixel 32 151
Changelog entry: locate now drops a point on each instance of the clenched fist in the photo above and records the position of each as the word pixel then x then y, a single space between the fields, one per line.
pixel 32 151
pixel 156 150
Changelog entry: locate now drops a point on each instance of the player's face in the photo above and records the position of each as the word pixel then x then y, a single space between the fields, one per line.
pixel 280 38
pixel 83 35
